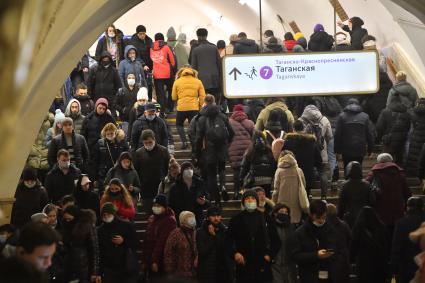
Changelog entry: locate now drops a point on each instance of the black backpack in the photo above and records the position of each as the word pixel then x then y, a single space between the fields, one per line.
pixel 278 116
pixel 216 131
pixel 316 130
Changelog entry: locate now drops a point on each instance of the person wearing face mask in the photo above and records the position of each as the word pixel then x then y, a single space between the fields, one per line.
pixel 284 269
pixel 132 65
pixel 137 110
pixel 30 198
pixel 127 97
pixel 248 242
pixel 313 246
pixel 86 103
pixel 258 164
pixel 160 225
pixel 174 170
pixel 52 214
pixel 85 197
pixel 117 238
pixel 111 42
pixel 149 121
pixel 181 253
pixel 60 181
pixel 213 263
pixel 75 144
pixel 107 151
pixel 117 194
pixel 188 193
pixel 73 111
pixel 104 80
pixel 151 163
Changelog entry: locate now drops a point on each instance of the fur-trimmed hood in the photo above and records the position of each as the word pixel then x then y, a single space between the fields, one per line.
pixel 299 136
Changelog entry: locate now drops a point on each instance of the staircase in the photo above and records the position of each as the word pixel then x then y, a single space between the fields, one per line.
pixel 232 207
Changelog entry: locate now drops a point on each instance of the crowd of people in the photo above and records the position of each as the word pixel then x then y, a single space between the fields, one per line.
pixel 108 152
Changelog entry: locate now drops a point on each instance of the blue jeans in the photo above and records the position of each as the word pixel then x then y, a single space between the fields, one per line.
pixel 332 157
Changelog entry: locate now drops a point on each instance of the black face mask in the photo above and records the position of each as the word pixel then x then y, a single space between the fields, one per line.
pixel 283 218
pixel 114 194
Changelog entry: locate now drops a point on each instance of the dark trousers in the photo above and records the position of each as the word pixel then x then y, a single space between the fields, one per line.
pixel 348 158
pixel 113 276
pixel 147 205
pixel 212 170
pixel 180 118
pixel 236 181
pixel 161 95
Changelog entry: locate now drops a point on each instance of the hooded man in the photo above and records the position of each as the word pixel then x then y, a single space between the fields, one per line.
pixel 179 47
pixel 131 65
pixel 356 31
pixel 73 110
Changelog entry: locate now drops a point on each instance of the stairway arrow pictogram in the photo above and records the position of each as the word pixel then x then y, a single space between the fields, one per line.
pixel 235 73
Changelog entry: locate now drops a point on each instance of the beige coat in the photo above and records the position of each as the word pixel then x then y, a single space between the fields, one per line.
pixel 289 187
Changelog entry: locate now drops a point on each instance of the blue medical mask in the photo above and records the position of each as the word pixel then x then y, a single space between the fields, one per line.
pixel 191 221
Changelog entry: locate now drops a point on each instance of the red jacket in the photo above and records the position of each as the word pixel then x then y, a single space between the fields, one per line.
pixel 162 57
pixel 289 44
pixel 126 213
pixel 157 232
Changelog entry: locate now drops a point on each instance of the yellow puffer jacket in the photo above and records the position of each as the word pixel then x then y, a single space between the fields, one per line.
pixel 188 91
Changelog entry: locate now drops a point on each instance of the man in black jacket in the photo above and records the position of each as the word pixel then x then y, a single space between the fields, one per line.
pixel 74 143
pixel 353 133
pixel 149 121
pixel 151 163
pixel 213 135
pixel 403 250
pixel 245 45
pixel 356 31
pixel 313 246
pixel 143 44
pixel 60 181
pixel 213 266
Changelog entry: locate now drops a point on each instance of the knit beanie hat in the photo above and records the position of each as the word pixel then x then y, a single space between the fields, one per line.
pixel 249 193
pixel 182 38
pixel 185 165
pixel 108 207
pixel 143 94
pixel 213 211
pixel 161 200
pixel 29 174
pixel 103 101
pixel 171 34
pixel 140 28
pixel 319 27
pixel 384 157
pixel 59 116
pixel 238 107
pixel 38 217
pixel 298 35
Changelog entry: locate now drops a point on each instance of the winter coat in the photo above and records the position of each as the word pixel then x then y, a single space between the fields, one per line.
pixel 343 47
pixel 312 115
pixel 261 163
pixel 152 167
pixel 128 177
pixel 307 154
pixel 135 113
pixel 102 47
pixel 354 195
pixel 403 250
pixel 87 105
pixel 307 240
pixel 112 256
pixel 407 93
pixel 264 115
pixel 246 46
pixel 374 103
pixel 143 48
pixel 80 152
pixel 92 127
pixel 125 100
pixel 123 211
pixel 131 67
pixel 243 129
pixel 163 60
pixel 417 138
pixel 157 125
pixel 353 134
pixel 165 186
pixel 284 269
pixel 58 184
pixel 247 235
pixel 213 152
pixel 253 108
pixel 274 48
pixel 180 253
pixel 289 45
pixel 37 157
pixel 356 34
pixel 206 60
pixel 183 198
pixel 290 187
pixel 104 82
pixel 181 52
pixel 320 41
pixel 28 201
pixel 188 91
pixel 213 264
pixel 77 119
pixel 394 192
pixel 393 126
pixel 158 229
pixel 87 200
pixel 105 154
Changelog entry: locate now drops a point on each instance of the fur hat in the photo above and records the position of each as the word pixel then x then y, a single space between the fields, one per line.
pixel 384 157
pixel 143 94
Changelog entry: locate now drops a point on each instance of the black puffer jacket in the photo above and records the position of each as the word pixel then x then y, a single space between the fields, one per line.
pixel 92 127
pixel 143 48
pixel 417 138
pixel 353 134
pixel 104 82
pixel 125 100
pixel 357 33
pixel 87 105
pixel 393 125
pixel 320 41
pixel 374 103
pixel 58 184
pixel 246 46
pixel 79 145
pixel 157 125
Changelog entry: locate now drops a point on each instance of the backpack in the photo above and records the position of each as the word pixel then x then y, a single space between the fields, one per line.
pixel 216 131
pixel 278 116
pixel 316 130
pixel 329 106
pixel 277 144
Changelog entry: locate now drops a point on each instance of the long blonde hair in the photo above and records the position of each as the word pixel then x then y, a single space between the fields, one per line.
pixel 125 196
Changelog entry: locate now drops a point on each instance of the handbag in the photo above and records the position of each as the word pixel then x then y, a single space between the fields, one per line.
pixel 131 262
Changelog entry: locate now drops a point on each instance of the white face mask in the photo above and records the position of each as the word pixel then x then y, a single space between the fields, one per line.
pixel 64 164
pixel 188 173
pixel 262 203
pixel 150 147
pixel 131 82
pixel 250 206
pixel 191 221
pixel 3 239
pixel 30 184
pixel 157 210
pixel 110 137
pixel 318 224
pixel 108 219
pixel 111 34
